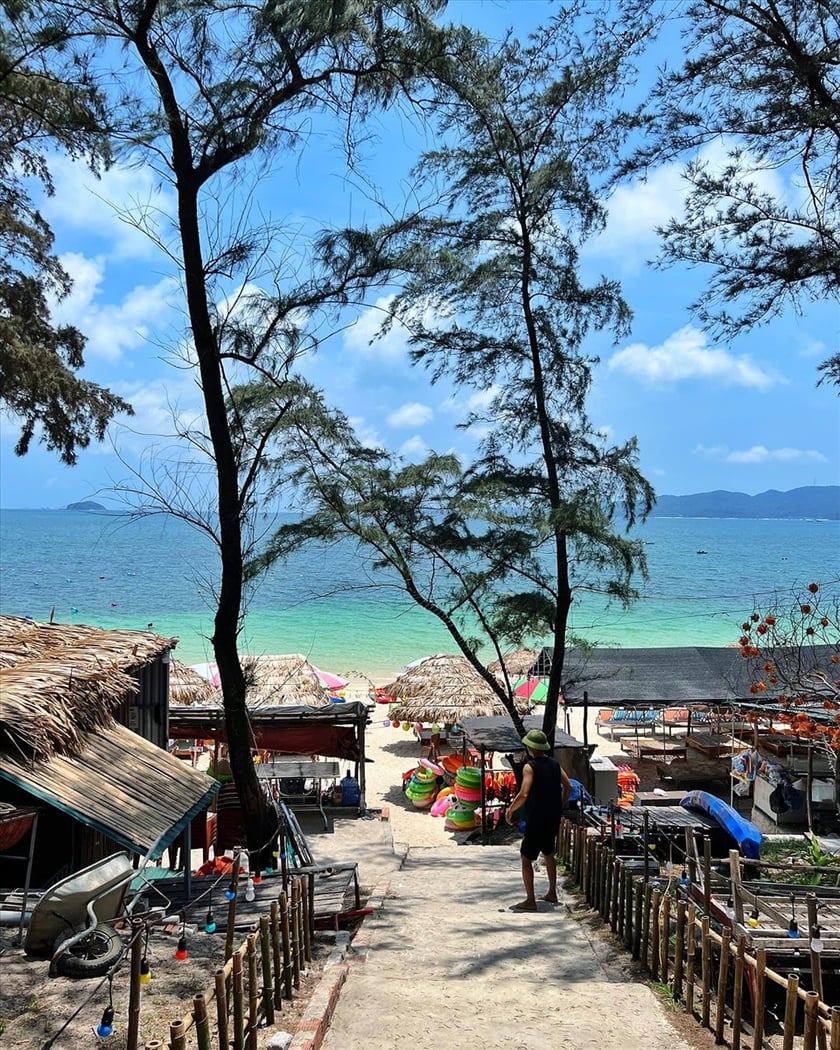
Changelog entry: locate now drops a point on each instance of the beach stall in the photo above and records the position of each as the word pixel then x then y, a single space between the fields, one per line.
pixel 97 785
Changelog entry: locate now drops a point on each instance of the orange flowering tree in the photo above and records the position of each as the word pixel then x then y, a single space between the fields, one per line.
pixel 794 662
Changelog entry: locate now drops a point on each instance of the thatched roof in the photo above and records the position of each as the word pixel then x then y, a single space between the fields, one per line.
pixel 517 663
pixel 59 682
pixel 186 686
pixel 287 679
pixel 443 688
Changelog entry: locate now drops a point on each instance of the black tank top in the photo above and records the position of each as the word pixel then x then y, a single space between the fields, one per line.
pixel 545 799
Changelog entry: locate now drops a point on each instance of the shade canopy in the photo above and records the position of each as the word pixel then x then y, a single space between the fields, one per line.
pixel 187 686
pixel 444 688
pixel 518 663
pixel 699 674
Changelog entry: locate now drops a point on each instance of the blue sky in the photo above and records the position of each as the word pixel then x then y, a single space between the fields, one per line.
pixel 745 416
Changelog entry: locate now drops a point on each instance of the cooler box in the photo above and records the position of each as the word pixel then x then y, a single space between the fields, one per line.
pixel 603 779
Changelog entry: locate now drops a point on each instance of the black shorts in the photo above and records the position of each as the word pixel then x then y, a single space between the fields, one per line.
pixel 539 838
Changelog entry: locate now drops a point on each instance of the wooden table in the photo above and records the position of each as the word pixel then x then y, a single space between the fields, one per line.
pixel 290 769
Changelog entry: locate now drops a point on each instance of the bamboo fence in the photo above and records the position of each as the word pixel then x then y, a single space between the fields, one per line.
pixel 249 990
pixel 706 971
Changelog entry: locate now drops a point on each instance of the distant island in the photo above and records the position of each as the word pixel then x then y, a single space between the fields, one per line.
pixel 811 501
pixel 86 504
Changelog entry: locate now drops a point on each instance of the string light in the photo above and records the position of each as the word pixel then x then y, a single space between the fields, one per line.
pixel 145 972
pixel 250 892
pixel 105 1028
pixel 230 892
pixel 816 940
pixel 181 952
pixel 210 922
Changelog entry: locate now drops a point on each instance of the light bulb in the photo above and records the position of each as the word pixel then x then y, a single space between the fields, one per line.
pixel 250 892
pixel 257 877
pixel 145 972
pixel 181 952
pixel 793 928
pixel 210 922
pixel 105 1028
pixel 230 892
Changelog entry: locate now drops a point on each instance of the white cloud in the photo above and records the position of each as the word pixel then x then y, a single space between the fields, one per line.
pixel 415 448
pixel 760 454
pixel 361 339
pixel 94 206
pixel 367 434
pixel 412 414
pixel 111 328
pixel 635 211
pixel 685 355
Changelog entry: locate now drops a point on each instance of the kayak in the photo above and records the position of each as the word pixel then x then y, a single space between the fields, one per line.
pixel 743 831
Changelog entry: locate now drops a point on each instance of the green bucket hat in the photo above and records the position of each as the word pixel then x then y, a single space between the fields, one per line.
pixel 536 740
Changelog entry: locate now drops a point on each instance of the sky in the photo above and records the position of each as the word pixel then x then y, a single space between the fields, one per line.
pixel 744 416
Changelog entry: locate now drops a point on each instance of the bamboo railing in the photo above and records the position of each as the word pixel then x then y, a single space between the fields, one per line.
pixel 674 942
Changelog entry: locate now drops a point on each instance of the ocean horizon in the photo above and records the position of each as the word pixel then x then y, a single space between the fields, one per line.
pixel 705 576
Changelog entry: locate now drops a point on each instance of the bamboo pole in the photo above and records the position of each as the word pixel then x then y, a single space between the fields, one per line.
pixel 622 896
pixel 238 993
pixel 707 874
pixel 277 954
pixel 834 1038
pixel 638 897
pixel 253 991
pixel 816 959
pixel 296 933
pixel 735 878
pixel 135 993
pixel 809 1035
pixel 307 899
pixel 176 1036
pixel 267 986
pixel 231 915
pixel 648 897
pixel 738 993
pixel 222 1008
pixel 628 912
pixel 654 933
pixel 706 972
pixel 616 883
pixel 599 876
pixel 287 947
pixel 760 996
pixel 202 1022
pixel 791 1001
pixel 691 945
pixel 679 950
pixel 665 938
pixel 723 976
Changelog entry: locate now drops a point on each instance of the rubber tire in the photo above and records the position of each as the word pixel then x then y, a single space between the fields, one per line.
pixel 93 956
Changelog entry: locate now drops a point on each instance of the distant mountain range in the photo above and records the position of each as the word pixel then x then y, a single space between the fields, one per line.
pixel 811 501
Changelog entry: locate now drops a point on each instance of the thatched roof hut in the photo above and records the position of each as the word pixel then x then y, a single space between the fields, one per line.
pixel 287 679
pixel 187 687
pixel 443 688
pixel 517 663
pixel 22 640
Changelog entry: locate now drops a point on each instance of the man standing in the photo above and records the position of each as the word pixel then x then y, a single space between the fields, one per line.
pixel 544 792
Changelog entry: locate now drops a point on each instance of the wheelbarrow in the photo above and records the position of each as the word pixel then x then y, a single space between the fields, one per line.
pixel 72 922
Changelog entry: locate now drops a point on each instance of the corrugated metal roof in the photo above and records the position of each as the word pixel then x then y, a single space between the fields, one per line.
pixel 119 784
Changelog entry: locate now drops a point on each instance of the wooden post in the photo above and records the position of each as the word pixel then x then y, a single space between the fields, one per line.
pixel 177 1040
pixel 296 933
pixel 277 955
pixel 202 1023
pixel 616 894
pixel 253 991
pixel 707 874
pixel 628 911
pixel 638 897
pixel 816 960
pixel 665 938
pixel 735 881
pixel 231 915
pixel 738 993
pixel 287 946
pixel 679 950
pixel 760 996
pixel 646 909
pixel 723 976
pixel 222 1009
pixel 308 911
pixel 134 987
pixel 654 934
pixel 809 1035
pixel 238 994
pixel 267 986
pixel 790 1011
pixel 691 945
pixel 706 973
pixel 621 896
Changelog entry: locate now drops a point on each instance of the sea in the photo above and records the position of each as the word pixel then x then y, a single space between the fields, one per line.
pixel 706 575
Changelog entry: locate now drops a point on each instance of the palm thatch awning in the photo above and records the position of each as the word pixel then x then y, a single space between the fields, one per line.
pixel 187 687
pixel 444 688
pixel 287 679
pixel 22 640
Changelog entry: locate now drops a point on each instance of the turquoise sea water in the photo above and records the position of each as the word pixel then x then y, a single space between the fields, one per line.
pixel 112 572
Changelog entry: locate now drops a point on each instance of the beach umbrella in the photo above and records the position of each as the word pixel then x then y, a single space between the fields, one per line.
pixel 517 663
pixel 332 681
pixel 285 679
pixel 533 689
pixel 443 688
pixel 187 686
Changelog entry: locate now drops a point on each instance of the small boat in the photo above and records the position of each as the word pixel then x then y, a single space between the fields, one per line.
pixel 745 834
